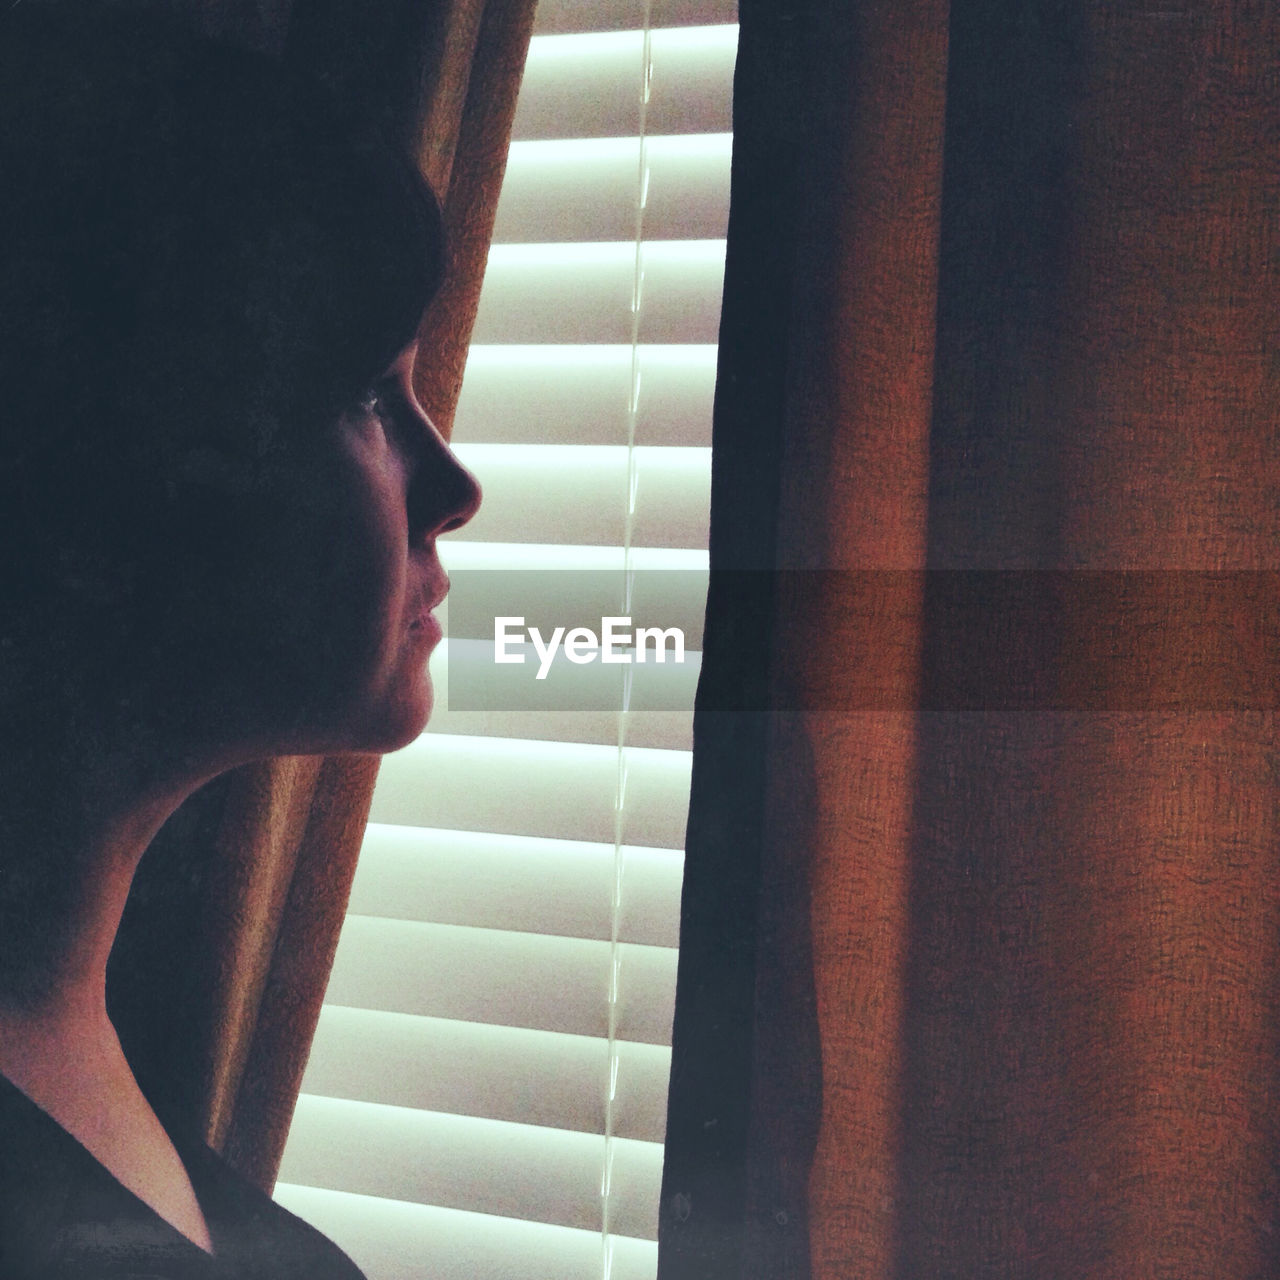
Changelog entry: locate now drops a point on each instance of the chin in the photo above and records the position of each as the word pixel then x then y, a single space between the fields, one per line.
pixel 401 735
pixel 401 718
pixel 380 713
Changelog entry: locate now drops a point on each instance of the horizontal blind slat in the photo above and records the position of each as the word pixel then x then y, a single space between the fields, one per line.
pixel 585 189
pixel 588 85
pixel 460 1162
pixel 468 678
pixel 458 553
pixel 577 493
pixel 582 293
pixel 496 1073
pixel 396 1240
pixel 502 978
pixel 500 881
pixel 580 494
pixel 579 394
pixel 662 730
pixel 569 584
pixel 558 17
pixel 552 789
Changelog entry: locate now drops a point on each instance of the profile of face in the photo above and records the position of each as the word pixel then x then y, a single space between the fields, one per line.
pixel 294 615
pixel 341 590
pixel 220 498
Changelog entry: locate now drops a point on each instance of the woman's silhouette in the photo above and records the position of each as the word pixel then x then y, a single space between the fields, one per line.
pixel 219 502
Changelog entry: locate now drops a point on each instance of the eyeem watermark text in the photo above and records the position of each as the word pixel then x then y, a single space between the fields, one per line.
pixel 614 643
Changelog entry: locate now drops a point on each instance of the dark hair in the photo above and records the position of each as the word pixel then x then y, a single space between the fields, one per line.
pixel 199 258
pixel 201 262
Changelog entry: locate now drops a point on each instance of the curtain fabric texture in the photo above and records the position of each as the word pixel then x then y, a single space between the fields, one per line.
pixel 982 908
pixel 219 973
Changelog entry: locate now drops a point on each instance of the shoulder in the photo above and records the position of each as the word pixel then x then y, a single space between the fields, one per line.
pixel 39 1178
pixel 63 1217
pixel 254 1236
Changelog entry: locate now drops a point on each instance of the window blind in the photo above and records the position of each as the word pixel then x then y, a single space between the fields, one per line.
pixel 486 1094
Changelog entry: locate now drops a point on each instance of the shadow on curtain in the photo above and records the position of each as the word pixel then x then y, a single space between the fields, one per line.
pixel 230 932
pixel 982 909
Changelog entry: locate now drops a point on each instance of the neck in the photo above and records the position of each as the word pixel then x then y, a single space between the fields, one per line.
pixel 77 814
pixel 81 806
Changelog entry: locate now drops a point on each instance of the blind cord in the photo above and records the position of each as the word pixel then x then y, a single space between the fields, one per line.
pixel 619 825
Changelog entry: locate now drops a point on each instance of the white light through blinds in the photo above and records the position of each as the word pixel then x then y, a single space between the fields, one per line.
pixel 486 1096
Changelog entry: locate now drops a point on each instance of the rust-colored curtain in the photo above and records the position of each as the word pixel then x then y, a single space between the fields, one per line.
pixel 230 932
pixel 982 912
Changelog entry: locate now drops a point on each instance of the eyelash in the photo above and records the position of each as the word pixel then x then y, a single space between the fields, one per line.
pixel 372 402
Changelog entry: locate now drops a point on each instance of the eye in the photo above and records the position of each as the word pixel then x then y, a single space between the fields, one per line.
pixel 371 403
pixel 378 404
pixel 383 404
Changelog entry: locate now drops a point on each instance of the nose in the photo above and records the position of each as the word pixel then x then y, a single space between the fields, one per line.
pixel 443 494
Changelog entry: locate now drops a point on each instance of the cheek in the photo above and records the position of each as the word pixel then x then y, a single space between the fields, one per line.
pixel 289 613
pixel 365 586
pixel 318 592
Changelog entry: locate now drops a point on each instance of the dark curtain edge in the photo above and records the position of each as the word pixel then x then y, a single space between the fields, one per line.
pixel 717 1177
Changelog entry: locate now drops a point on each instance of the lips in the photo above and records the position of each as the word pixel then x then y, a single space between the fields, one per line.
pixel 433 594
